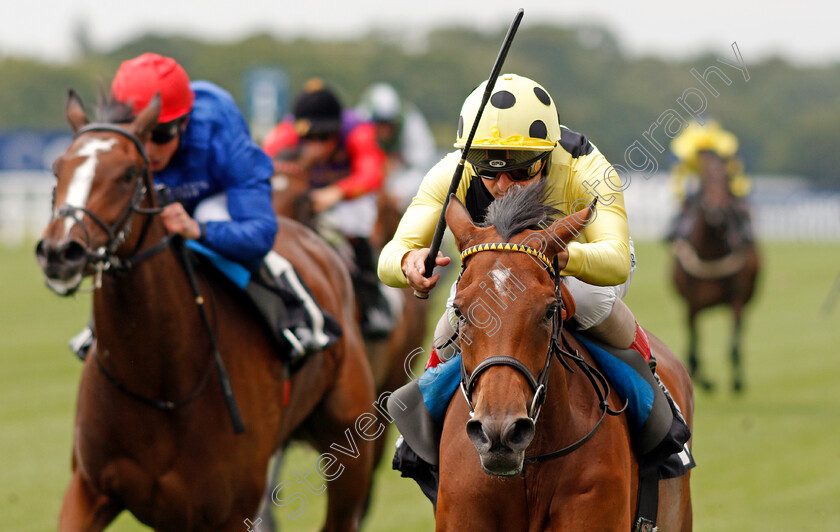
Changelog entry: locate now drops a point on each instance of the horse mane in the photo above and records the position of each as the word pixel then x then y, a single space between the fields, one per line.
pixel 522 208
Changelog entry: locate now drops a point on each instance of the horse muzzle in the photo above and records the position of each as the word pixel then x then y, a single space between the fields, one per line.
pixel 501 443
pixel 63 264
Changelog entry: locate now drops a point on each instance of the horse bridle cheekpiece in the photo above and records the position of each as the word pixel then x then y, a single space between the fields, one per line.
pixel 105 257
pixel 555 348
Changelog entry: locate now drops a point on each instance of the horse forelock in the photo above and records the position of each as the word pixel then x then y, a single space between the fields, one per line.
pixel 113 112
pixel 522 208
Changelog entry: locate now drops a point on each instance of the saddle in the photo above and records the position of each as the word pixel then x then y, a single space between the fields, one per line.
pixel 288 311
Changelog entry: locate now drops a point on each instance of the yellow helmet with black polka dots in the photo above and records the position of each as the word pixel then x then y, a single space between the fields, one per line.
pixel 518 127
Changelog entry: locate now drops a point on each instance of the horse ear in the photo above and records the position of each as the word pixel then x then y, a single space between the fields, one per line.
pixel 101 94
pixel 75 111
pixel 147 119
pixel 567 229
pixel 459 220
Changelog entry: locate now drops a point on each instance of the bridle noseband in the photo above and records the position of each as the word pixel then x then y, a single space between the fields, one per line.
pixel 104 258
pixel 539 384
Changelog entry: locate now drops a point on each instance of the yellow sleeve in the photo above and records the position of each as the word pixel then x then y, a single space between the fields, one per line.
pixel 417 226
pixel 601 254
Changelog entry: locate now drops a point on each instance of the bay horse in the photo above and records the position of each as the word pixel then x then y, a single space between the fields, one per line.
pixel 715 262
pixel 390 357
pixel 152 433
pixel 562 466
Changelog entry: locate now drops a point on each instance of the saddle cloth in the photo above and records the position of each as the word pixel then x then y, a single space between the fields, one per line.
pixel 297 324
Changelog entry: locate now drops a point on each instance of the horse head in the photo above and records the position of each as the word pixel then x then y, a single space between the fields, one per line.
pixel 509 311
pixel 716 199
pixel 101 181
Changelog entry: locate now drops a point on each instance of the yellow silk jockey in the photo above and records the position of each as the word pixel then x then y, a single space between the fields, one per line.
pixel 707 137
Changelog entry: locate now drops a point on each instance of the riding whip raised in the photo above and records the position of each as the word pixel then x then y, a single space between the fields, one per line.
pixel 459 170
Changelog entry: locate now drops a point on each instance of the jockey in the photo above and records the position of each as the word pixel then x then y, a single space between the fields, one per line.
pixel 519 140
pixel 520 128
pixel 338 153
pixel 201 150
pixel 694 139
pixel 404 136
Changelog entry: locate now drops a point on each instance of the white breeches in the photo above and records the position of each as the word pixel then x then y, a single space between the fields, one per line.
pixel 353 218
pixel 212 209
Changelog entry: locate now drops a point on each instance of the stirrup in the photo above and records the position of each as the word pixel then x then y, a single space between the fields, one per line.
pixel 81 343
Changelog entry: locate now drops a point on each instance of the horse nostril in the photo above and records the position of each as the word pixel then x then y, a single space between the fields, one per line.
pixel 475 431
pixel 73 253
pixel 40 251
pixel 519 434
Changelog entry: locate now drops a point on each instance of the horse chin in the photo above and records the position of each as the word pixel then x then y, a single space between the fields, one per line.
pixel 64 287
pixel 502 462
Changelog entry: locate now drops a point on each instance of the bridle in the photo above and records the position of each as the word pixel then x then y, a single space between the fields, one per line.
pixel 104 258
pixel 539 384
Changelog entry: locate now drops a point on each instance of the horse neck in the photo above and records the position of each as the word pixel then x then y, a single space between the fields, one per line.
pixel 146 320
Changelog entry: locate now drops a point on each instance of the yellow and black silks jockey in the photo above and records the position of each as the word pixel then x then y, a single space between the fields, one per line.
pixel 518 142
pixel 686 173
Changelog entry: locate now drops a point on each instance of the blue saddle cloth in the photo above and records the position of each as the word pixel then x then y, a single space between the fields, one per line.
pixel 438 384
pixel 626 381
pixel 237 273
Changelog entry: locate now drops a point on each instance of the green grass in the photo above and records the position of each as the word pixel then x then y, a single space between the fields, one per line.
pixel 768 460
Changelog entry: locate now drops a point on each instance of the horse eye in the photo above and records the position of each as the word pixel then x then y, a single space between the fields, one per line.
pixel 550 312
pixel 130 174
pixel 457 311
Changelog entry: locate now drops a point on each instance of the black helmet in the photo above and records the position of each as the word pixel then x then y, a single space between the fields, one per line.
pixel 317 110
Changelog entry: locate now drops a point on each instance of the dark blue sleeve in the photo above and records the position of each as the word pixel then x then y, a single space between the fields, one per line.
pixel 244 171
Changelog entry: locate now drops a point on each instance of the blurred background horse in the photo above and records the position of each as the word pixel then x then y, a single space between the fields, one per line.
pixel 390 356
pixel 716 260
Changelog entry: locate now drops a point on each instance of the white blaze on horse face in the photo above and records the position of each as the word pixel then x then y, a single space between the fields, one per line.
pixel 79 189
pixel 500 279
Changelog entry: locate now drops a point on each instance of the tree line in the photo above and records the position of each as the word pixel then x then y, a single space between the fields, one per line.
pixel 785 115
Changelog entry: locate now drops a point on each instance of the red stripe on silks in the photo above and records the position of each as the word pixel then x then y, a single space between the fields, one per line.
pixel 434 360
pixel 641 343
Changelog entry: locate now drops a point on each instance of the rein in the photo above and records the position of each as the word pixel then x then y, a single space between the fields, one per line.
pixel 540 384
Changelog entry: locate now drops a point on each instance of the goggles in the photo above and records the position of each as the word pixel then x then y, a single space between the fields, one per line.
pixel 164 133
pixel 518 164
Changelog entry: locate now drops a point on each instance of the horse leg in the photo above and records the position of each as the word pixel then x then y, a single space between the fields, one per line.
pixel 84 510
pixel 343 428
pixel 693 360
pixel 265 518
pixel 737 368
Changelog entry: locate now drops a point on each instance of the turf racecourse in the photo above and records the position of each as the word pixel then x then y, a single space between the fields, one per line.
pixel 767 461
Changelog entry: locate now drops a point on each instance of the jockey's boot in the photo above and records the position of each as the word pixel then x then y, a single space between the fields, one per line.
pixel 377 316
pixel 291 311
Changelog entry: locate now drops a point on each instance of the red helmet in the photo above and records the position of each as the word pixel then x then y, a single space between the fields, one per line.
pixel 139 79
